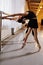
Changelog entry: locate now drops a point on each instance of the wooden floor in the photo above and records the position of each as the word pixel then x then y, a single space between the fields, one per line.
pixel 12 54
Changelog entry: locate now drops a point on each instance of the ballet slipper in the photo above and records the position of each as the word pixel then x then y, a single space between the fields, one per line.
pixel 23 45
pixel 39 46
pixel 24 40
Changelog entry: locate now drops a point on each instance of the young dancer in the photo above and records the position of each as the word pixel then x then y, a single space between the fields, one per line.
pixel 32 26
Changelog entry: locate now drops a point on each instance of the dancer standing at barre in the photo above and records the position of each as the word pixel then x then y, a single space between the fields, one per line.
pixel 32 26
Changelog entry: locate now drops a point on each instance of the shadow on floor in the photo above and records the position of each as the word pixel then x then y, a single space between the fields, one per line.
pixel 16 43
pixel 19 56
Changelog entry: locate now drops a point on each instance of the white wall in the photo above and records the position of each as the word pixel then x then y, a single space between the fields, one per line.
pixel 11 7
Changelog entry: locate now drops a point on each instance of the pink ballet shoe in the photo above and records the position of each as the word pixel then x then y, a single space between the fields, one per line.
pixel 23 45
pixel 24 40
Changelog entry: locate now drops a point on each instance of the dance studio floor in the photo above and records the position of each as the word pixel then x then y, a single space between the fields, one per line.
pixel 12 54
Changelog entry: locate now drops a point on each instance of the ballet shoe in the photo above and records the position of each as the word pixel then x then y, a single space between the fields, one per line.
pixel 24 40
pixel 38 45
pixel 23 45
